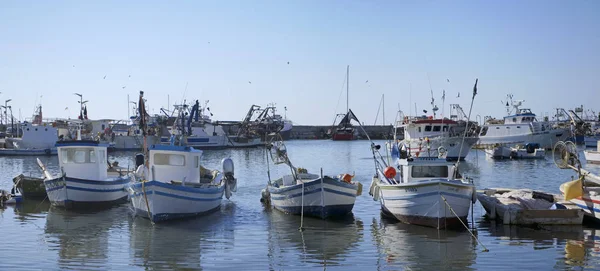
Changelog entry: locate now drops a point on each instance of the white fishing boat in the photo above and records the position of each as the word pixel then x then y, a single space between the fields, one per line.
pixel 37 140
pixel 175 185
pixel 425 135
pixel 171 183
pixel 592 157
pixel 498 152
pixel 424 191
pixel 520 128
pixel 310 194
pixel 85 181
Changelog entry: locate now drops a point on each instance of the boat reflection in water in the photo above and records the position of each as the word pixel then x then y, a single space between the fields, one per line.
pixel 183 244
pixel 322 243
pixel 82 239
pixel 412 247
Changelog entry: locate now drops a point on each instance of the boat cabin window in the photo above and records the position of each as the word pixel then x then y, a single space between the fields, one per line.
pixel 428 128
pixel 197 162
pixel 166 159
pixel 419 129
pixel 445 129
pixel 437 128
pixel 78 156
pixel 429 171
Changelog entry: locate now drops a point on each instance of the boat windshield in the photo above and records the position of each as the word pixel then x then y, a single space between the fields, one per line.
pixel 429 171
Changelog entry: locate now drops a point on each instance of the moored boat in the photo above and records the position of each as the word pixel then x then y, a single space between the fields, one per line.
pixel 310 194
pixel 84 182
pixel 30 187
pixel 521 127
pixel 424 191
pixel 171 183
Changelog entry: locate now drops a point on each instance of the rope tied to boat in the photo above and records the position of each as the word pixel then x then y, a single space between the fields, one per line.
pixel 146 199
pixel 463 223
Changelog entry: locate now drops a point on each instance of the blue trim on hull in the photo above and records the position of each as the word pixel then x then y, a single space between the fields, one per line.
pixel 318 211
pixel 150 184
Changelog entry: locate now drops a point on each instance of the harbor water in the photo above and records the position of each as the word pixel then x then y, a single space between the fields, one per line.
pixel 246 235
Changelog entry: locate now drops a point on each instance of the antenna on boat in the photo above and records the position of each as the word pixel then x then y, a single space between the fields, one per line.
pixel 467 125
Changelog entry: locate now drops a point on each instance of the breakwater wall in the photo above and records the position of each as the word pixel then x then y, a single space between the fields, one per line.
pixel 321 131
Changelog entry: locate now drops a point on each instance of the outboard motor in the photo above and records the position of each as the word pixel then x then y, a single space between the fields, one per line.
pixel 139 160
pixel 230 181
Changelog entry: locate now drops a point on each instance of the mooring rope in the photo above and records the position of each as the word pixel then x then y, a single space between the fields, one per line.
pixel 463 223
pixel 146 199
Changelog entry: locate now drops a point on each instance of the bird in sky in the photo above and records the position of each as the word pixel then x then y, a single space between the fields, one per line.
pixel 249 82
pixel 104 77
pixel 367 81
pixel 458 96
pixel 124 87
pixel 288 63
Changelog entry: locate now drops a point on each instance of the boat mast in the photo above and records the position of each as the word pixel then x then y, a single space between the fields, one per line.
pixel 347 86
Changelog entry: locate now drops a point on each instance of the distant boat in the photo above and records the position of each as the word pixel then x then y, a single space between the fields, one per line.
pixel 592 157
pixel 37 140
pixel 425 135
pixel 528 151
pixel 310 194
pixel 84 182
pixel 344 129
pixel 520 128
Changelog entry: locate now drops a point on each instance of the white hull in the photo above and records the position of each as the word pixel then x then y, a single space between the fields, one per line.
pixel 163 201
pixel 423 203
pixel 546 139
pixel 451 144
pixel 523 154
pixel 254 142
pixel 592 157
pixel 321 199
pixel 74 193
pixel 500 152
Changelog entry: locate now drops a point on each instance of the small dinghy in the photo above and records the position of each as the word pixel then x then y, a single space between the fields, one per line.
pixel 528 151
pixel 9 198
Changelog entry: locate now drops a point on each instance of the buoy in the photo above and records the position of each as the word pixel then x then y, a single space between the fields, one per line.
pixel 389 172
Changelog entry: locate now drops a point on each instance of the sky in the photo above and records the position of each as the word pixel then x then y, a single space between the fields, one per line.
pixel 235 54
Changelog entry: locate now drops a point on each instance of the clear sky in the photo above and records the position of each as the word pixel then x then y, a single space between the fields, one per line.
pixel 544 52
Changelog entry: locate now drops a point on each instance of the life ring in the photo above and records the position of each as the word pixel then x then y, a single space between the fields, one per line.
pixel 441 150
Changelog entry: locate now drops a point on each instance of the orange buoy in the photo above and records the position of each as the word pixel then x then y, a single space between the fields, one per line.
pixel 389 172
pixel 347 178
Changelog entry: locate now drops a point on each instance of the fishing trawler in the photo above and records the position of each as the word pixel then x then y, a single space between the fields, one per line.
pixel 344 129
pixel 520 128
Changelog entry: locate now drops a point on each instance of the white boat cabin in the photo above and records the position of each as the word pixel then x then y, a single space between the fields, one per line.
pixel 83 159
pixel 523 116
pixel 175 163
pixel 423 169
pixel 422 128
pixel 35 137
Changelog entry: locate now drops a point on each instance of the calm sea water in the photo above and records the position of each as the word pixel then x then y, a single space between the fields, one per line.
pixel 247 236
